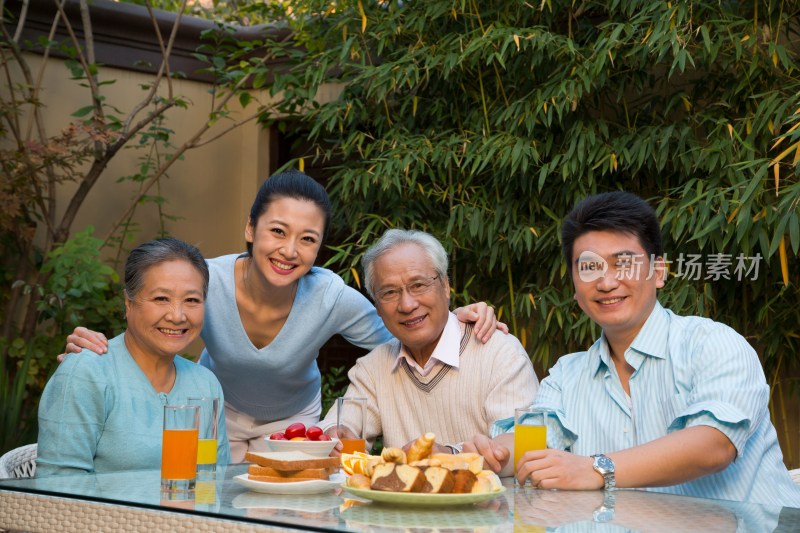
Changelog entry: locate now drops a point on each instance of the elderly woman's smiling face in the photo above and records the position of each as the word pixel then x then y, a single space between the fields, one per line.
pixel 166 314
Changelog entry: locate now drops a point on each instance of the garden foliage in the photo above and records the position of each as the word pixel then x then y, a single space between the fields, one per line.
pixel 483 123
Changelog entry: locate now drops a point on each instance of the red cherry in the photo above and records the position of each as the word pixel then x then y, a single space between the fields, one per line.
pixel 313 433
pixel 324 437
pixel 277 436
pixel 295 430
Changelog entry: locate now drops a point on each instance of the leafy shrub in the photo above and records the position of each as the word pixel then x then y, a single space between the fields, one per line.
pixel 80 290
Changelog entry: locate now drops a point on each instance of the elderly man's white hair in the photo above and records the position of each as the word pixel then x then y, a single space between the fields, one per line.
pixel 396 237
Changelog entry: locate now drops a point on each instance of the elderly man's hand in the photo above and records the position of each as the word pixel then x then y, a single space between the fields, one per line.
pixel 495 455
pixel 342 433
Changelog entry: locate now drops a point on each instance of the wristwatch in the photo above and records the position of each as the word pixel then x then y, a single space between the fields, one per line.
pixel 605 513
pixel 604 466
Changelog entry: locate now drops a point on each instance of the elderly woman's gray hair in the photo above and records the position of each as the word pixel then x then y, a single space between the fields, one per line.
pixel 155 252
pixel 396 237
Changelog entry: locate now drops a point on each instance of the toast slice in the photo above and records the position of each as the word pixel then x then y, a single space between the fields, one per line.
pixel 308 473
pixel 279 479
pixel 291 460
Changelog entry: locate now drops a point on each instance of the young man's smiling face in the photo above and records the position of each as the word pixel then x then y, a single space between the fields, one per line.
pixel 621 299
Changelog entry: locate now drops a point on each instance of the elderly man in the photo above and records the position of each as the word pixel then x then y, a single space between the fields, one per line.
pixel 435 376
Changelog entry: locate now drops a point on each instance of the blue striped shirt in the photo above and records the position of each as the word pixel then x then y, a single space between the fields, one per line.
pixel 688 371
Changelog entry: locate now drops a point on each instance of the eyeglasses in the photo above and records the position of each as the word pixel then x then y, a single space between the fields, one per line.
pixel 418 287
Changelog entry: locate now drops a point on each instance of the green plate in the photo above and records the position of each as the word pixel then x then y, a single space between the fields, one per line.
pixel 420 498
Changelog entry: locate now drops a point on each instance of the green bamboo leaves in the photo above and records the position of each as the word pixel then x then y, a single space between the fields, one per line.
pixel 480 120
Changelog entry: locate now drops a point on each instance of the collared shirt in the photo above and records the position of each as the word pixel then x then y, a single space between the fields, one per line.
pixel 688 371
pixel 446 351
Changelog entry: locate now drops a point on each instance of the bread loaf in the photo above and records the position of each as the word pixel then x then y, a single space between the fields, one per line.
pixel 438 480
pixel 464 481
pixel 487 482
pixel 393 455
pixel 421 448
pixel 358 481
pixel 395 477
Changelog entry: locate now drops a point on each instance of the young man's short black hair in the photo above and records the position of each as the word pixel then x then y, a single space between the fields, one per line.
pixel 618 211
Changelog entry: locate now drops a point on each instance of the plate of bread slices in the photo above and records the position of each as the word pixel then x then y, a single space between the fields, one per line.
pixel 290 473
pixel 420 477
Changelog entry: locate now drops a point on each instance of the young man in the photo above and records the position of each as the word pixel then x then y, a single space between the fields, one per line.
pixel 659 400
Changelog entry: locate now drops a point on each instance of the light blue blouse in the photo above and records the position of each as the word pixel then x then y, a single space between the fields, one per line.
pixel 101 414
pixel 689 371
pixel 278 380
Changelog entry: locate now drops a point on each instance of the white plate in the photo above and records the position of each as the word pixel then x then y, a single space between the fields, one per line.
pixel 316 486
pixel 421 498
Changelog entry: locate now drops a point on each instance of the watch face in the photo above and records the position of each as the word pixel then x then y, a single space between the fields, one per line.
pixel 604 463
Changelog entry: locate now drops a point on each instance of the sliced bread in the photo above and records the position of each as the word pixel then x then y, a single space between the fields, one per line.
pixel 291 460
pixel 279 479
pixel 308 473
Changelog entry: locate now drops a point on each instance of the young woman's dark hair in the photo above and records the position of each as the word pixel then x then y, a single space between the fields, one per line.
pixel 290 184
pixel 618 211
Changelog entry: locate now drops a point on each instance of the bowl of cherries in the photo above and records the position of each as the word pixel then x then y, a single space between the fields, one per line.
pixel 296 437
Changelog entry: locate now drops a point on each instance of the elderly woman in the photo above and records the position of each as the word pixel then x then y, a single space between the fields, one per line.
pixel 102 414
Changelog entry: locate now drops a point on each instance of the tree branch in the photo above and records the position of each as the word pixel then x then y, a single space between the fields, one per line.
pixel 164 70
pixel 87 33
pixel 230 128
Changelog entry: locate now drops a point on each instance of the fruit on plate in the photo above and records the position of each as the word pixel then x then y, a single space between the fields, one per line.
pixel 313 433
pixel 298 429
pixel 277 436
pixel 356 462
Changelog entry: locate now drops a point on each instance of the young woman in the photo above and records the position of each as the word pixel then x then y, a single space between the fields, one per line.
pixel 270 310
pixel 104 414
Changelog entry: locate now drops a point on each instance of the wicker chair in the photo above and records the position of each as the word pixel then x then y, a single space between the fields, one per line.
pixel 19 462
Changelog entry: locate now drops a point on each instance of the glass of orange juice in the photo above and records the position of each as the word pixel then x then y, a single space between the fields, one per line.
pixel 207 436
pixel 530 431
pixel 351 415
pixel 179 447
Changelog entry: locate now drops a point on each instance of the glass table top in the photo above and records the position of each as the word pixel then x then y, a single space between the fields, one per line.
pixel 519 509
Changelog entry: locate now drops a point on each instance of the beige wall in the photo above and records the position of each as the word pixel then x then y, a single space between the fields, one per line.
pixel 211 189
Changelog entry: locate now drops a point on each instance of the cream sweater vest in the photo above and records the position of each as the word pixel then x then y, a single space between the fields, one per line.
pixel 454 403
